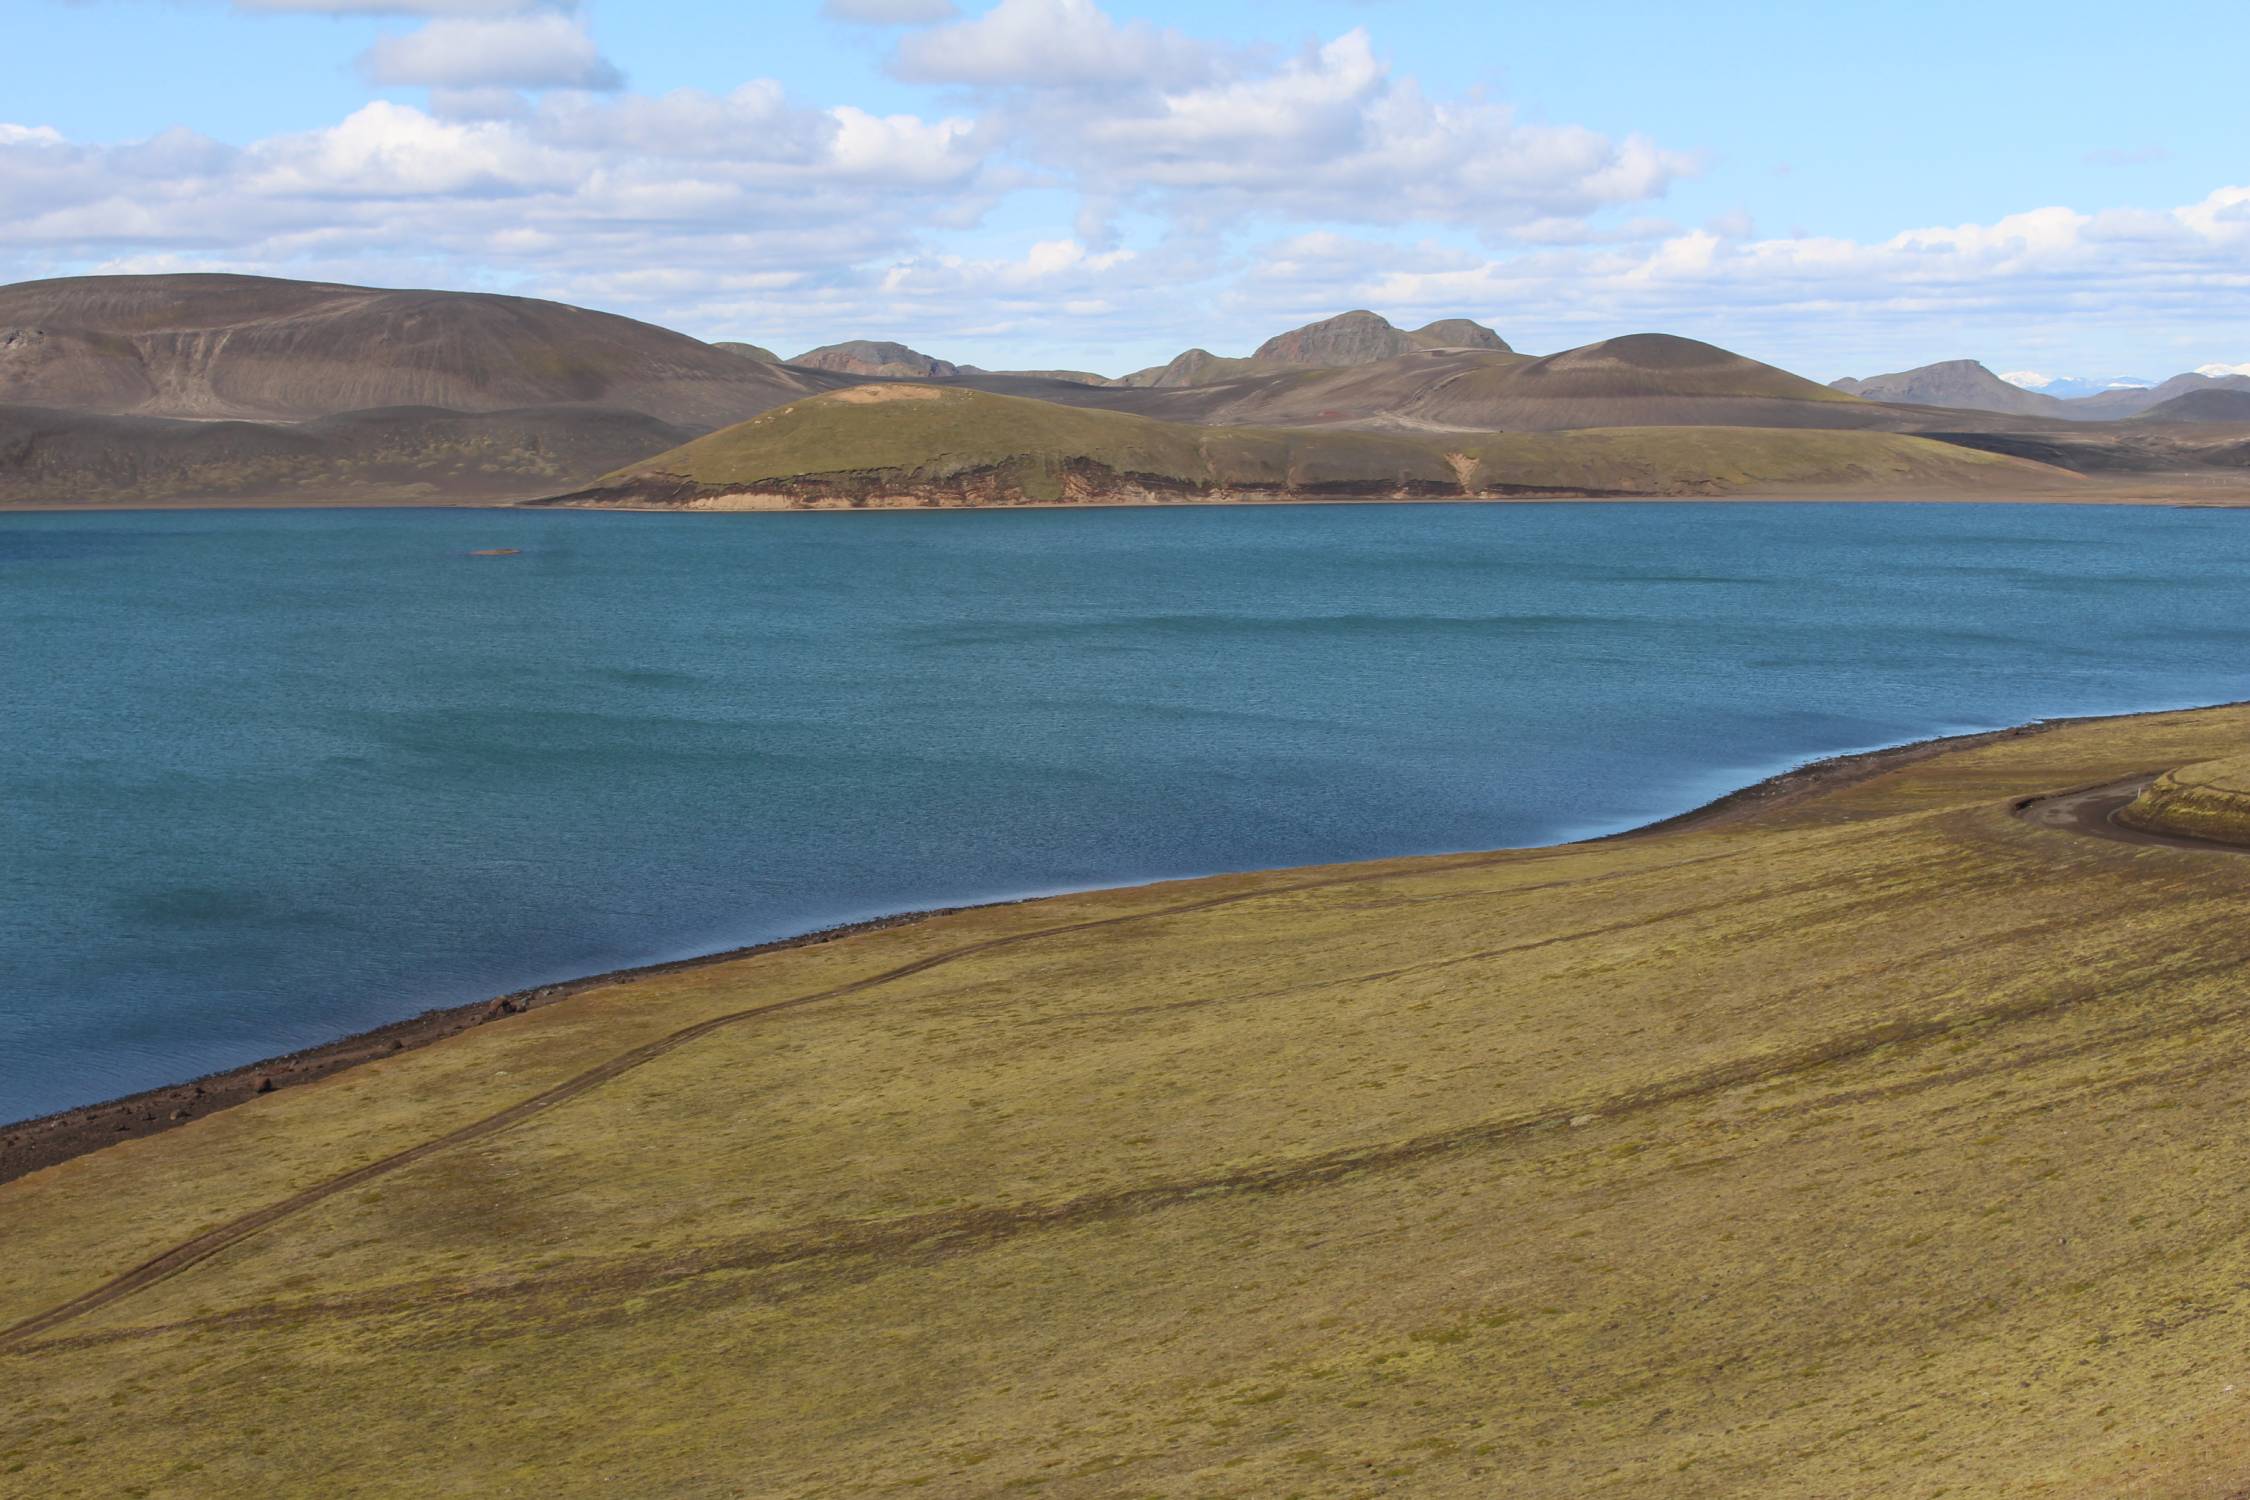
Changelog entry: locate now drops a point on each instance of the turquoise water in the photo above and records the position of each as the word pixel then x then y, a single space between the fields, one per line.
pixel 272 777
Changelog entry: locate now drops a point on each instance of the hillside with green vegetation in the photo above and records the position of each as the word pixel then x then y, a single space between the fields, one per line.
pixel 930 445
pixel 388 455
pixel 1863 1139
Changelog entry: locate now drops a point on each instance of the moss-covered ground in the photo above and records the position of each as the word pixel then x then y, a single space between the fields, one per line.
pixel 1879 1143
pixel 891 439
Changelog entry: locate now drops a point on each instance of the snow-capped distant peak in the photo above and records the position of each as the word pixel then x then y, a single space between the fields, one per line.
pixel 2220 372
pixel 2073 387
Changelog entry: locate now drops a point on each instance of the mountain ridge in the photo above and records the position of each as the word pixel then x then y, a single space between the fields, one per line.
pixel 263 349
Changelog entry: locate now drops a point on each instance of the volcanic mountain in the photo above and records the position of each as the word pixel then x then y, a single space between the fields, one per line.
pixel 875 357
pixel 1358 337
pixel 2213 405
pixel 1646 379
pixel 2132 403
pixel 1961 383
pixel 253 347
pixel 1965 385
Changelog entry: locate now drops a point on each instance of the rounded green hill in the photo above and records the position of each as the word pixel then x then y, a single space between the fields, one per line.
pixel 897 444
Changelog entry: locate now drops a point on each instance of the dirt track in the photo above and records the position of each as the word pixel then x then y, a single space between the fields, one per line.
pixel 2093 811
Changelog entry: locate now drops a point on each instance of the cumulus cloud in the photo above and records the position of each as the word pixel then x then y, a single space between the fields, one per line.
pixel 1219 194
pixel 531 51
pixel 1924 293
pixel 662 205
pixel 2220 372
pixel 1139 116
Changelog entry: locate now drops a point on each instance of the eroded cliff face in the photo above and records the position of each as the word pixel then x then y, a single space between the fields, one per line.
pixel 1078 483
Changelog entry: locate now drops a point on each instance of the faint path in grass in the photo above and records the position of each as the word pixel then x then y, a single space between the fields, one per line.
pixel 193 1252
pixel 2092 811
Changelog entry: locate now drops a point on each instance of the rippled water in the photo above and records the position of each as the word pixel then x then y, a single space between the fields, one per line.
pixel 272 777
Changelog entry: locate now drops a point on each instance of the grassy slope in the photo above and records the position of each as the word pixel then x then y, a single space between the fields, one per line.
pixel 68 458
pixel 906 434
pixel 2207 801
pixel 1882 1145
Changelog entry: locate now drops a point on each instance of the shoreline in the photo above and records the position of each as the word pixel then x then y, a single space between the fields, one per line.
pixel 2219 495
pixel 28 1145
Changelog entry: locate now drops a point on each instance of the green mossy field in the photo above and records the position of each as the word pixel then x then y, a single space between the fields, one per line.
pixel 927 444
pixel 1866 1142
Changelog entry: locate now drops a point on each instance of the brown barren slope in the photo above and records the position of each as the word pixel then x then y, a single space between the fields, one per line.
pixel 1641 380
pixel 1871 1142
pixel 258 348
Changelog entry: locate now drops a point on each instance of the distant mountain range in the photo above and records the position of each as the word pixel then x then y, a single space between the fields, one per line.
pixel 876 357
pixel 187 388
pixel 1967 385
pixel 2070 387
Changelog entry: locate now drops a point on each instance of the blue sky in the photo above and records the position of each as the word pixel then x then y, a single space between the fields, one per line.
pixel 1061 182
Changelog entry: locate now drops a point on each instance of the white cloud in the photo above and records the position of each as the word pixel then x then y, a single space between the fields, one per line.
pixel 662 205
pixel 530 51
pixel 1138 117
pixel 386 150
pixel 901 147
pixel 1834 305
pixel 2220 372
pixel 1048 44
pixel 1219 193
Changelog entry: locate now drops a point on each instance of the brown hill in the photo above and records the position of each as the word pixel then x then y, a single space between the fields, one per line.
pixel 1360 337
pixel 1192 367
pixel 255 347
pixel 2133 401
pixel 875 357
pixel 1960 383
pixel 1638 380
pixel 2202 406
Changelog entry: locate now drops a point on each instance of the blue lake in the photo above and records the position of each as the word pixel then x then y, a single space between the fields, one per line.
pixel 272 777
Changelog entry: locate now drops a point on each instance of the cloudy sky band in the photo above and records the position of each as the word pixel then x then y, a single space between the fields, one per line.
pixel 1091 186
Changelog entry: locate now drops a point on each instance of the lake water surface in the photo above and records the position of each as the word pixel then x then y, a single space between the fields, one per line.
pixel 267 778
